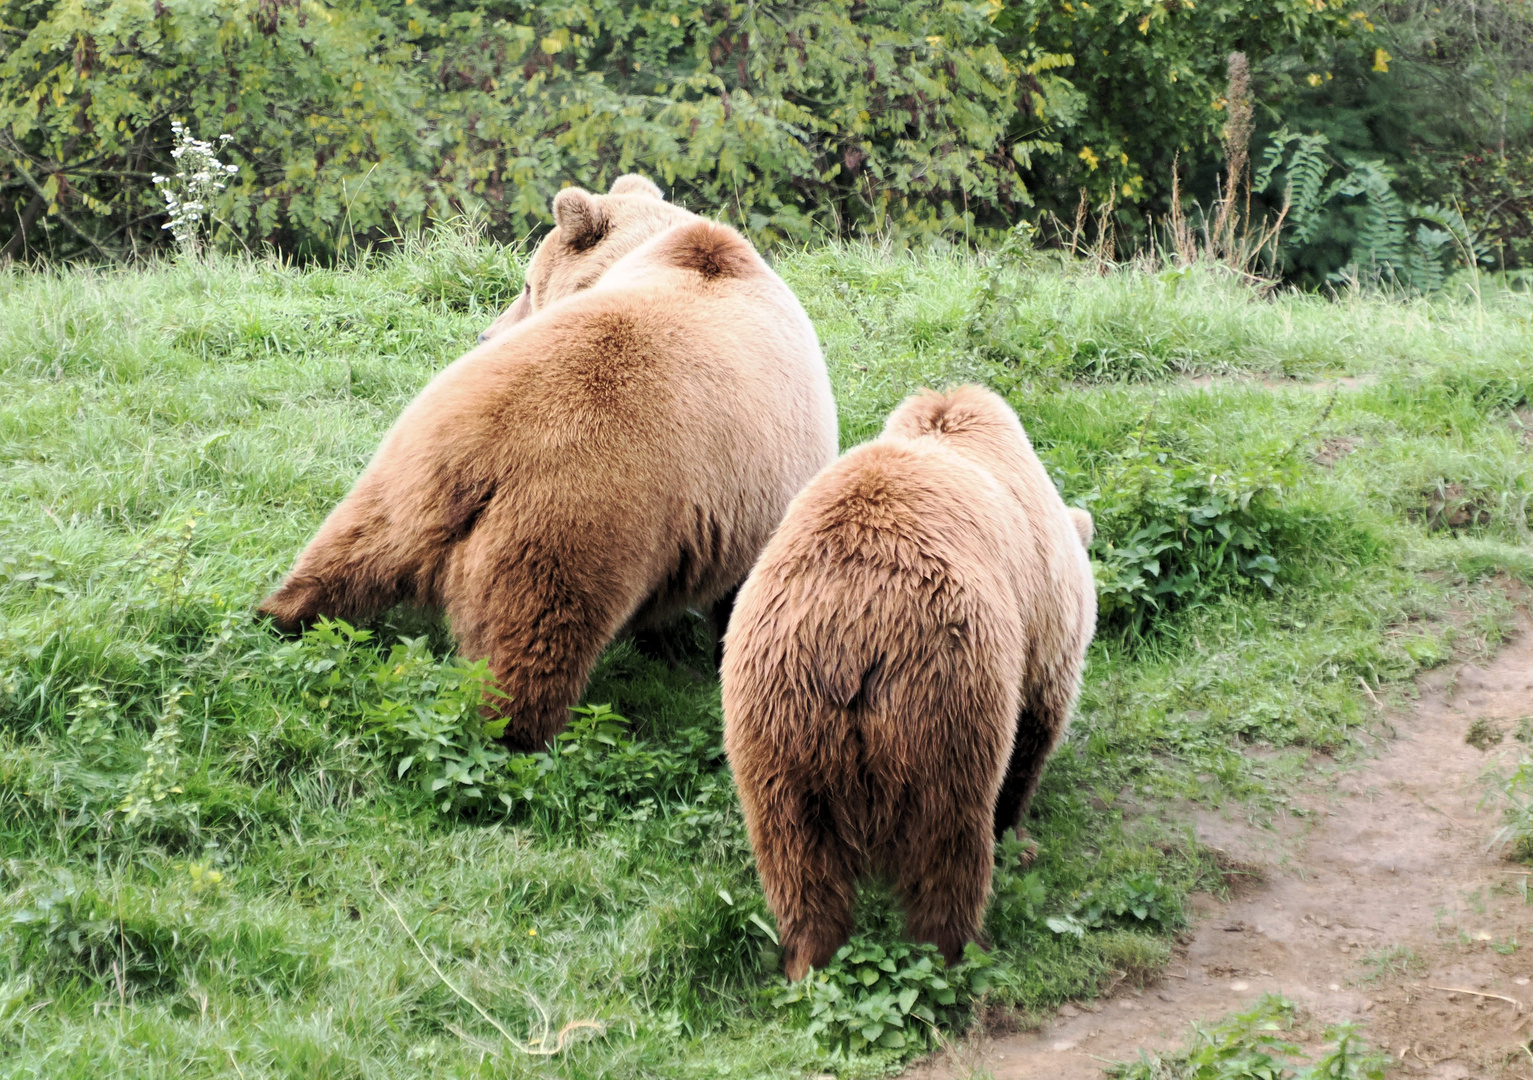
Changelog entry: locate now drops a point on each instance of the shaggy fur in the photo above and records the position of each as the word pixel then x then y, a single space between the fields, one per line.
pixel 900 663
pixel 616 454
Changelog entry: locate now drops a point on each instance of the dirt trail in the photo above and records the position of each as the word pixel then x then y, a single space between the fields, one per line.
pixel 1390 856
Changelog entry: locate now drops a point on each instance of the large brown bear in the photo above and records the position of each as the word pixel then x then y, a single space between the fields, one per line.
pixel 900 663
pixel 618 450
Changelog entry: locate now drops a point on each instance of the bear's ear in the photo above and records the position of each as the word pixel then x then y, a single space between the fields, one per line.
pixel 1084 526
pixel 634 184
pixel 580 218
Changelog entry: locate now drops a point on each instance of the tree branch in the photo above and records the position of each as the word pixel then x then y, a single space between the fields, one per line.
pixel 16 160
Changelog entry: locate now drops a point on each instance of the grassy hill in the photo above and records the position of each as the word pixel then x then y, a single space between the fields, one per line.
pixel 223 853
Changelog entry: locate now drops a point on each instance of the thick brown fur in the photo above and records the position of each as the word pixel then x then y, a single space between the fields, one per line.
pixel 900 663
pixel 616 454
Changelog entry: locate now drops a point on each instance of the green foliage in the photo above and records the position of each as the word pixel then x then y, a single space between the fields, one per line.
pixel 1146 84
pixel 148 791
pixel 352 121
pixel 422 718
pixel 1172 533
pixel 417 713
pixel 1255 1045
pixel 1516 792
pixel 1138 901
pixel 1350 211
pixel 883 997
pixel 1436 97
pixel 1496 192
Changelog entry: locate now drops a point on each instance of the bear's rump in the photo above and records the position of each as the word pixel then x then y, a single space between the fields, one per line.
pixel 897 690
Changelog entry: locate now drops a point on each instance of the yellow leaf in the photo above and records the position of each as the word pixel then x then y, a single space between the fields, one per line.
pixel 551 45
pixel 675 20
pixel 1381 60
pixel 1089 157
pixel 1314 79
pixel 934 41
pixel 1144 25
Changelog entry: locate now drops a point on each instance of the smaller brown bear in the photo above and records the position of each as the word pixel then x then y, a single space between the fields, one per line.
pixel 900 663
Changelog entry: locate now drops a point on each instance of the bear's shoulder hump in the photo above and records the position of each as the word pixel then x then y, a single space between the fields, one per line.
pixel 709 249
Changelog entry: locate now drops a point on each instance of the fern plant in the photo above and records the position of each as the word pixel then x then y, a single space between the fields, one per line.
pixel 1353 204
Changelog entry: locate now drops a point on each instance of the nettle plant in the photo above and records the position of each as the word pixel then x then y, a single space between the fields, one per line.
pixel 1173 533
pixel 189 193
pixel 875 996
pixel 423 719
pixel 421 716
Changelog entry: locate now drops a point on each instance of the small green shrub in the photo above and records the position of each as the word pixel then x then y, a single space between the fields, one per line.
pixel 1254 1045
pixel 415 712
pixel 1139 901
pixel 420 718
pixel 883 997
pixel 1170 533
pixel 1516 791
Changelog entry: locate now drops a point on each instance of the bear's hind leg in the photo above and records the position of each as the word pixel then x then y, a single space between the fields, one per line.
pixel 813 898
pixel 808 871
pixel 352 569
pixel 1037 732
pixel 942 873
pixel 541 616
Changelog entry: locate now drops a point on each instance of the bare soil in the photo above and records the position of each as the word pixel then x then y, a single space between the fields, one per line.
pixel 1380 900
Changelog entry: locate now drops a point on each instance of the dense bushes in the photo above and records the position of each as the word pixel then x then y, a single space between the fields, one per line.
pixel 358 119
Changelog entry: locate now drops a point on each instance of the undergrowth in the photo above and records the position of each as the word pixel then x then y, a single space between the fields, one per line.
pixel 1260 1043
pixel 205 829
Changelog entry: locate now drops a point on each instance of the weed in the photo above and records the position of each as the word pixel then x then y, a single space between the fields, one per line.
pixel 1516 791
pixel 1391 962
pixel 1255 1044
pixel 889 997
pixel 1484 733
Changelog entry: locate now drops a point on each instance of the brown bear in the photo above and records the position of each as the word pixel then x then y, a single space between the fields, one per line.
pixel 899 664
pixel 617 451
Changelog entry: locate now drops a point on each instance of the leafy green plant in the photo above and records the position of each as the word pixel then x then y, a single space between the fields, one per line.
pixel 1255 1045
pixel 428 718
pixel 883 997
pixel 1171 533
pixel 1139 901
pixel 1516 792
pixel 422 718
pixel 1162 63
pixel 790 120
pixel 147 793
pixel 1353 204
pixel 94 718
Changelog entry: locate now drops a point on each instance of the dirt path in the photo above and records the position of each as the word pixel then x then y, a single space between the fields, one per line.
pixel 1380 891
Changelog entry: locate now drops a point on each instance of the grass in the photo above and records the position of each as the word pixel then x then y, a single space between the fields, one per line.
pixel 204 830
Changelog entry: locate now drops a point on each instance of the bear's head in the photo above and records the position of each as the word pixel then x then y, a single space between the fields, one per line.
pixel 591 232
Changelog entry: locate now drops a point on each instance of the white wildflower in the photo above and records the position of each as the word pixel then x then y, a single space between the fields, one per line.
pixel 189 193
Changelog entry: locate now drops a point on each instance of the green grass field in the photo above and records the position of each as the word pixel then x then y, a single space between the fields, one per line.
pixel 226 854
